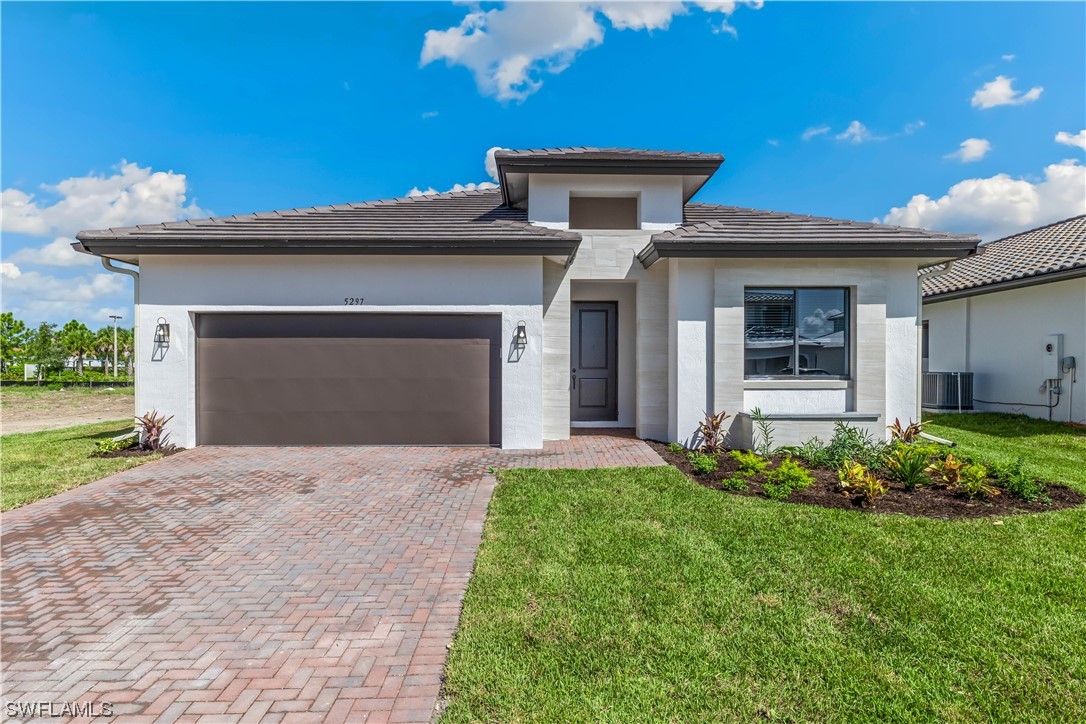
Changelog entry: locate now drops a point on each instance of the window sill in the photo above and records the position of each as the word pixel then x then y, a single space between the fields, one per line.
pixel 797 383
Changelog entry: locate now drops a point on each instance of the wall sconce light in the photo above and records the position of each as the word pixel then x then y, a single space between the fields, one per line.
pixel 521 335
pixel 162 332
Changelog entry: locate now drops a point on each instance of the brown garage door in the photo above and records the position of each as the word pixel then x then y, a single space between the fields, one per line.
pixel 347 379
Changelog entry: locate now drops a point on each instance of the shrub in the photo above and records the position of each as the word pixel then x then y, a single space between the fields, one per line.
pixel 735 482
pixel 110 445
pixel 974 482
pixel 948 470
pixel 786 478
pixel 703 464
pixel 908 465
pixel 850 476
pixel 907 434
pixel 749 463
pixel 711 432
pixel 1013 477
pixel 856 444
pixel 152 431
pixel 763 441
pixel 872 489
pixel 814 451
pixel 675 448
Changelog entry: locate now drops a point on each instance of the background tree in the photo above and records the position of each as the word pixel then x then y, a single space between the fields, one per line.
pixel 77 341
pixel 13 339
pixel 126 343
pixel 44 349
pixel 103 348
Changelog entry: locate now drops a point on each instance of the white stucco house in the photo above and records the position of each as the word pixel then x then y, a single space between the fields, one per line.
pixel 1014 315
pixel 588 290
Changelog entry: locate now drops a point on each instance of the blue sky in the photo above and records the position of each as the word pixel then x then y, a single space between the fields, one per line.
pixel 233 108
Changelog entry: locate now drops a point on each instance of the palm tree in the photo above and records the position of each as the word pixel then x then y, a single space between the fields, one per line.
pixel 126 341
pixel 77 341
pixel 103 347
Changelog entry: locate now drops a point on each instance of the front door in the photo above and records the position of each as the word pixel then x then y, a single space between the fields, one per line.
pixel 594 362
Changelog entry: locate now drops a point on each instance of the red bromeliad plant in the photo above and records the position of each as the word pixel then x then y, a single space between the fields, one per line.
pixel 907 434
pixel 152 431
pixel 711 432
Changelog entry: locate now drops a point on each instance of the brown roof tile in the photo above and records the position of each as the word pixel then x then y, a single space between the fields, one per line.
pixel 1058 247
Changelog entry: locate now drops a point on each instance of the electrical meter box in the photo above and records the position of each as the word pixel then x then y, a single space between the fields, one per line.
pixel 1052 360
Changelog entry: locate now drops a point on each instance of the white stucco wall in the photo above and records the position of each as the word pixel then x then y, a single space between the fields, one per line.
pixel 1000 337
pixel 660 202
pixel 176 288
pixel 706 309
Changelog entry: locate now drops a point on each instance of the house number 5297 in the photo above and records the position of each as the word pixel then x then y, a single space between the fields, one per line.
pixel 353 300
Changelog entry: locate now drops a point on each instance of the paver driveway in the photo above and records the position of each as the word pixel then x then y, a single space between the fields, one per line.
pixel 262 584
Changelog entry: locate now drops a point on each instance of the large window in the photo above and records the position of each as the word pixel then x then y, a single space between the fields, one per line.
pixel 796 333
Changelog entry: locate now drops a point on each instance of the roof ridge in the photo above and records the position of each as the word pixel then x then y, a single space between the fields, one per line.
pixel 830 219
pixel 1038 228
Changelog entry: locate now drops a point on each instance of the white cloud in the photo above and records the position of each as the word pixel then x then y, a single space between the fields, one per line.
pixel 430 191
pixel 815 131
pixel 57 252
pixel 1072 139
pixel 131 196
pixel 34 296
pixel 491 169
pixel 773 142
pixel 509 48
pixel 972 149
pixel 9 270
pixel 857 133
pixel 429 114
pixel 1001 92
pixel 911 128
pixel 999 205
pixel 491 164
pixel 1008 57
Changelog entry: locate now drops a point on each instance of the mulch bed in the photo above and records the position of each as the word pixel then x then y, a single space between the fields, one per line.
pixel 134 452
pixel 928 501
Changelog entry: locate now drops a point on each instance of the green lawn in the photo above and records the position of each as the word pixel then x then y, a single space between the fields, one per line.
pixel 35 465
pixel 634 594
pixel 1053 451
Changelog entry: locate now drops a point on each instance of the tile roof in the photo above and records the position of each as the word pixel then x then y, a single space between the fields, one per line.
pixel 713 230
pixel 589 153
pixel 1058 247
pixel 459 220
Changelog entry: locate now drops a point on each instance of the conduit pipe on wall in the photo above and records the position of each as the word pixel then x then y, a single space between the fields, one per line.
pixel 110 266
pixel 920 278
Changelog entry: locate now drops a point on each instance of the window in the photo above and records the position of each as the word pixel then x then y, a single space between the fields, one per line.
pixel 924 346
pixel 603 212
pixel 796 333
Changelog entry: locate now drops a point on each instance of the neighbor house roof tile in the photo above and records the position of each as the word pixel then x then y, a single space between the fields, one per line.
pixel 1031 255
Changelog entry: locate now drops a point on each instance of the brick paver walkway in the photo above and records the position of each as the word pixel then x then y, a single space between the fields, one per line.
pixel 257 584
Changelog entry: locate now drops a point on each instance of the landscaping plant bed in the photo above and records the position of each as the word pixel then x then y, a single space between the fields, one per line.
pixel 931 501
pixel 135 452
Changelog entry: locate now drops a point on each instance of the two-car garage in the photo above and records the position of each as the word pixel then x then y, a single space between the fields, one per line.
pixel 348 379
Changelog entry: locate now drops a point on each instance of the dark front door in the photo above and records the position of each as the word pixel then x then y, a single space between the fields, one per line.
pixel 594 362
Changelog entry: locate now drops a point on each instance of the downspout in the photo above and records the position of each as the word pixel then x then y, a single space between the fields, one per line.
pixel 920 278
pixel 109 265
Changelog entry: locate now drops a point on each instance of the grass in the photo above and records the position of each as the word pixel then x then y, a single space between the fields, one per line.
pixel 634 594
pixel 1052 451
pixel 33 391
pixel 35 465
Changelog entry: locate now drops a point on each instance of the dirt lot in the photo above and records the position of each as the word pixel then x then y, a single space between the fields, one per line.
pixel 32 409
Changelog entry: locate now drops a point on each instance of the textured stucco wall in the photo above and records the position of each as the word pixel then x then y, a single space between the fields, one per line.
pixel 660 197
pixel 1000 337
pixel 177 288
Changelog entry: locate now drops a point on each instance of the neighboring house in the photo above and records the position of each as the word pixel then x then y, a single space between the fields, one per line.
pixel 1015 316
pixel 589 290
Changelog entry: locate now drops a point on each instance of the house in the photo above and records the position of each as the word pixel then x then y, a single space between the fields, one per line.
pixel 588 290
pixel 1014 316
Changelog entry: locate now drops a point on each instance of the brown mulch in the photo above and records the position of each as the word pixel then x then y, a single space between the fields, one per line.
pixel 135 452
pixel 928 501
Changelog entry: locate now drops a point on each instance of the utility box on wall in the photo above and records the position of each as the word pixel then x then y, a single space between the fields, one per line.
pixel 1052 361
